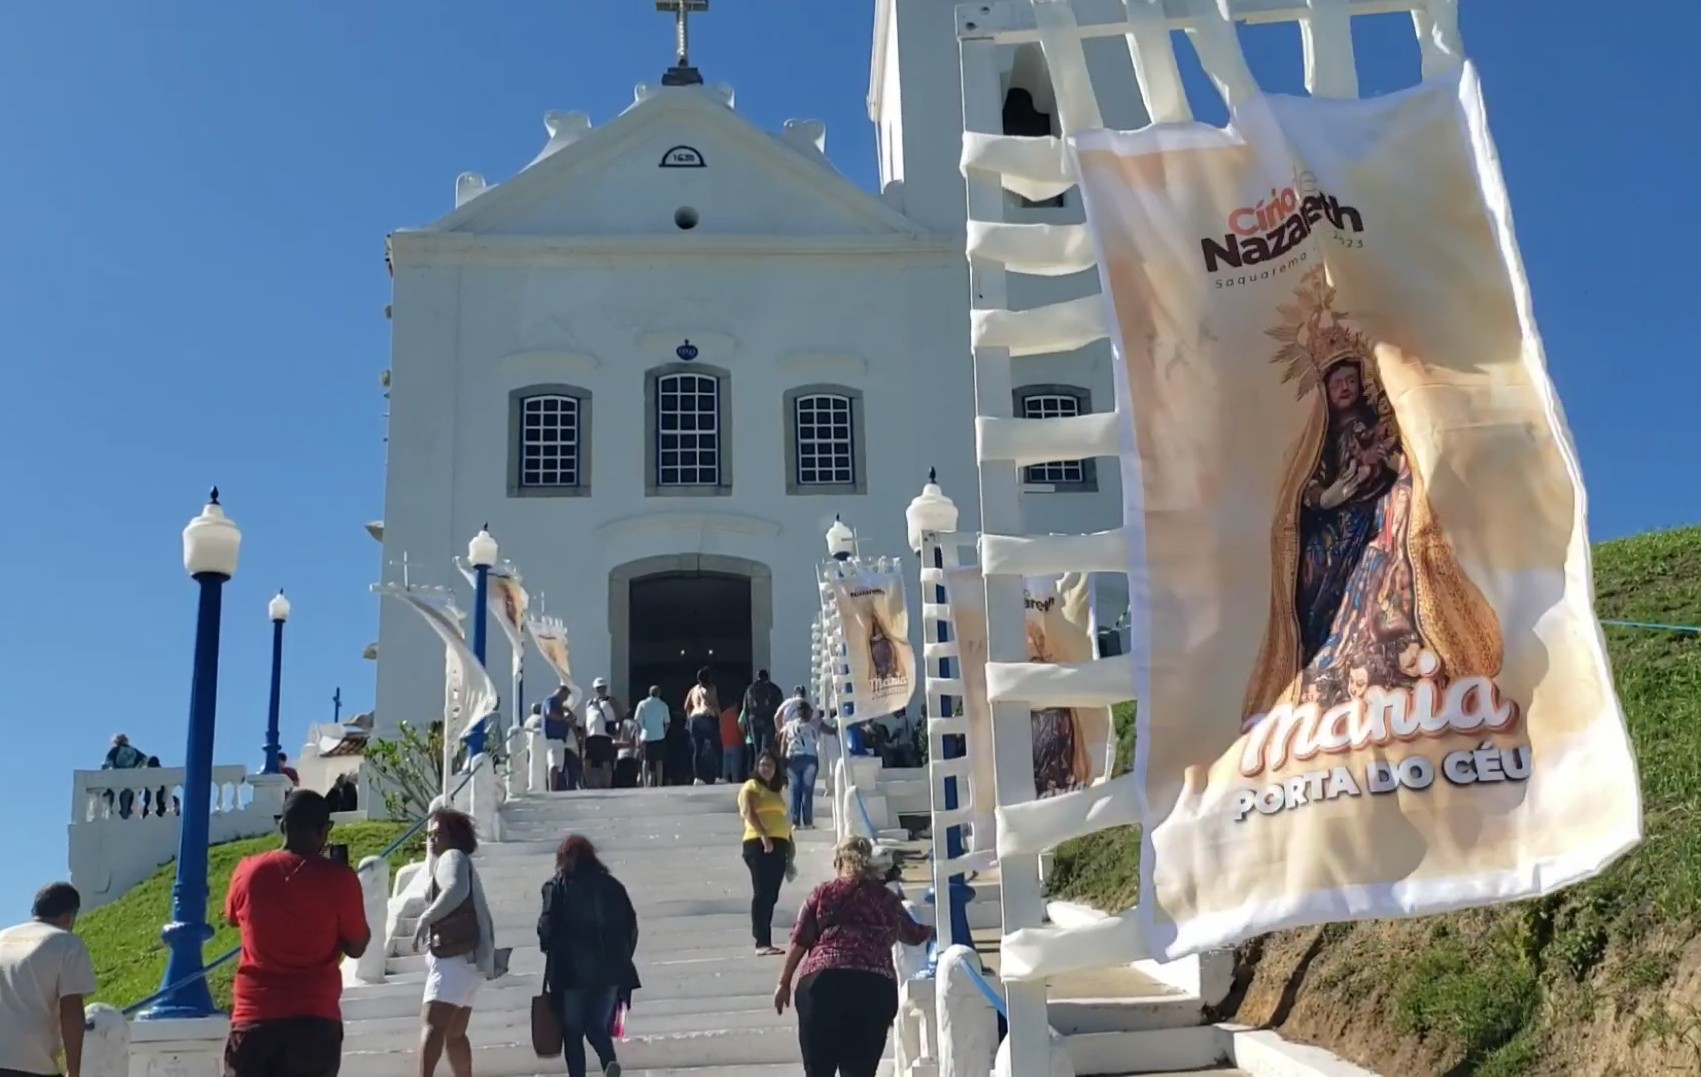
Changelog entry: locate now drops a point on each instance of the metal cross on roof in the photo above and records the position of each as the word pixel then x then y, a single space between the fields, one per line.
pixel 682 73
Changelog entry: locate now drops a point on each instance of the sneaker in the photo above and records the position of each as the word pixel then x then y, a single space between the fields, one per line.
pixel 694 781
pixel 611 1070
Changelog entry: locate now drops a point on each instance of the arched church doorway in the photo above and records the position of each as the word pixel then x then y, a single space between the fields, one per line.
pixel 672 615
pixel 683 621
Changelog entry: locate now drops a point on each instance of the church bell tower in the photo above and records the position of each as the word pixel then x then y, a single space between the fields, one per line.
pixel 915 99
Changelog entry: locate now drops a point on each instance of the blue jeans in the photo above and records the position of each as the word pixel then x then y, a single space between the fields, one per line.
pixel 803 768
pixel 587 1013
pixel 732 763
pixel 705 747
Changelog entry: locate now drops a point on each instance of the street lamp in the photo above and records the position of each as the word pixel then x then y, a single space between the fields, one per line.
pixel 210 546
pixel 482 553
pixel 928 516
pixel 278 610
pixel 841 541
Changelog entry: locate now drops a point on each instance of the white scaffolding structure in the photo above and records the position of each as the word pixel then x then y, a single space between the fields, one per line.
pixel 1039 168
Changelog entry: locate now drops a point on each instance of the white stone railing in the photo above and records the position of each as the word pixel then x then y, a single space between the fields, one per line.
pixel 125 823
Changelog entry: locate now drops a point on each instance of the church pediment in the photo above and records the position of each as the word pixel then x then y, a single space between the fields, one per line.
pixel 678 164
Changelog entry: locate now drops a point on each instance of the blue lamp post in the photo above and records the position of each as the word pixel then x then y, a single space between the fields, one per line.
pixel 482 553
pixel 210 546
pixel 278 611
pixel 929 515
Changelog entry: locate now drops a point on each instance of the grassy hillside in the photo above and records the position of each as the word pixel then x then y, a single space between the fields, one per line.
pixel 124 940
pixel 1603 978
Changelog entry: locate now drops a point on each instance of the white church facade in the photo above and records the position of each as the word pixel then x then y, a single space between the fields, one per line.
pixel 659 360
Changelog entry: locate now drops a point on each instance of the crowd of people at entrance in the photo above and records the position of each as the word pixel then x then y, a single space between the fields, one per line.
pixel 705 740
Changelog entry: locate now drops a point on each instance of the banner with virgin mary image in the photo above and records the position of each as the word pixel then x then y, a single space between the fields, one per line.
pixel 876 626
pixel 507 601
pixel 1071 745
pixel 1372 683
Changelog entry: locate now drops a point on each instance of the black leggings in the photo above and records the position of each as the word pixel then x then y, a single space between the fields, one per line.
pixel 767 872
pixel 843 1016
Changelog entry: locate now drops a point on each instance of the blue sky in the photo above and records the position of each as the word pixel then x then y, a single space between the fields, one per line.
pixel 192 289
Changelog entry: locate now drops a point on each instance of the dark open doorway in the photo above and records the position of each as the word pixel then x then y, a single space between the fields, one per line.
pixel 682 621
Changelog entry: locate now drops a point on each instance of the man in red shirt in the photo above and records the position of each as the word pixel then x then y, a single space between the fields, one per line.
pixel 300 914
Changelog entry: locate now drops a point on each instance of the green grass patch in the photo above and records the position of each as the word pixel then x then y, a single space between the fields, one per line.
pixel 123 937
pixel 1490 992
pixel 1102 869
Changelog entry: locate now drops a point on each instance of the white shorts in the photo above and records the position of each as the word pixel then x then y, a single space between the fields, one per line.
pixel 453 981
pixel 557 752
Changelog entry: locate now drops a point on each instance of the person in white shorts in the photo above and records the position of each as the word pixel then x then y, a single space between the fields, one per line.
pixel 460 942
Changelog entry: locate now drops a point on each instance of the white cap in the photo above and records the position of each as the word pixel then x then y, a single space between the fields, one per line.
pixel 600 682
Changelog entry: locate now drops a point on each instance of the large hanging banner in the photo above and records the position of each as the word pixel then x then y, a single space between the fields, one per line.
pixel 876 627
pixel 1072 745
pixel 474 696
pixel 1372 682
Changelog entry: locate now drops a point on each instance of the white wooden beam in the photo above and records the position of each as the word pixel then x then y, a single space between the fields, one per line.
pixel 1011 22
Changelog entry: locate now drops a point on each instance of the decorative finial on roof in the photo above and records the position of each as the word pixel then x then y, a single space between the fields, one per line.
pixel 213 498
pixel 682 73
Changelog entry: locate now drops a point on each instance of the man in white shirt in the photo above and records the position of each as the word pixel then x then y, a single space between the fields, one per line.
pixel 652 715
pixel 45 974
pixel 602 720
pixel 788 710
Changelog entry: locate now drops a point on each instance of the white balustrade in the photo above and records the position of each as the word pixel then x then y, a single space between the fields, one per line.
pixel 537 757
pixel 967 1022
pixel 106 1042
pixel 914 1035
pixel 482 798
pixel 375 896
pixel 125 823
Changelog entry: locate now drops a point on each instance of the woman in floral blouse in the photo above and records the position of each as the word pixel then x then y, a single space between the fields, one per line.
pixel 847 995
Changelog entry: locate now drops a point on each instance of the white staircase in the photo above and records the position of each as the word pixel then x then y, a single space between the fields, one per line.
pixel 706 1006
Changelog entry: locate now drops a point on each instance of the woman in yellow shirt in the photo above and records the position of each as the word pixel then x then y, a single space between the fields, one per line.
pixel 767 846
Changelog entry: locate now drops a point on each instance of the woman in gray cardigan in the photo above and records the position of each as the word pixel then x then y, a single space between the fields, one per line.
pixel 460 942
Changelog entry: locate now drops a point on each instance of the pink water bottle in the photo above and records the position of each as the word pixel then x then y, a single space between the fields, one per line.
pixel 619 1028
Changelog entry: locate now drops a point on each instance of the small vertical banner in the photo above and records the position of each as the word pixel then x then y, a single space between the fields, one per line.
pixel 1072 745
pixel 550 635
pixel 507 601
pixel 1372 681
pixel 876 626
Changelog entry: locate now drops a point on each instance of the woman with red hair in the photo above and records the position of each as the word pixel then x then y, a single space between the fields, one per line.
pixel 589 933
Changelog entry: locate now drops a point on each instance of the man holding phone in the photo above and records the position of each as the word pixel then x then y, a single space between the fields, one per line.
pixel 300 912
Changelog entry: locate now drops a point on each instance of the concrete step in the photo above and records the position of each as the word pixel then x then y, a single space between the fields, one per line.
pixel 509 1025
pixel 750 976
pixel 789 1069
pixel 1167 1050
pixel 660 959
pixel 513 994
pixel 705 1009
pixel 710 919
pixel 738 1047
